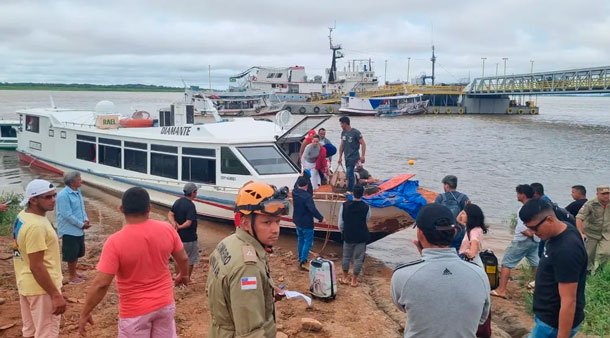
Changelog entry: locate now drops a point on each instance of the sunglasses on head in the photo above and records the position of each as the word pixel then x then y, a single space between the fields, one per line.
pixel 48 197
pixel 535 227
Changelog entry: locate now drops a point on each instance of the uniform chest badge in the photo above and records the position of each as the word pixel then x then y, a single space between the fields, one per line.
pixel 248 283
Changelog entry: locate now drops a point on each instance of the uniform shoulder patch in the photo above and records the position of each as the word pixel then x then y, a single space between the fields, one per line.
pixel 249 254
pixel 408 264
pixel 248 283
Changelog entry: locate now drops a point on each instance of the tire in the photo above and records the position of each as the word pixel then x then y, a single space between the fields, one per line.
pixel 302 110
pixel 316 109
pixel 241 113
pixel 289 108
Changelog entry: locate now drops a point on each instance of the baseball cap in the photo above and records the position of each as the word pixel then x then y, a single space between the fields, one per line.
pixel 36 188
pixel 435 217
pixel 189 188
pixel 604 189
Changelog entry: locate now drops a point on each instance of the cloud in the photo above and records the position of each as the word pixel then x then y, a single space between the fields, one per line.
pixel 161 42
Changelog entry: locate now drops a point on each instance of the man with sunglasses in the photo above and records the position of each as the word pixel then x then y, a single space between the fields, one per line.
pixel 241 293
pixel 559 294
pixel 593 222
pixel 37 263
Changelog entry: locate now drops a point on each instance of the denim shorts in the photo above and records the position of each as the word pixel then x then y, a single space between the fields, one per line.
pixel 517 250
pixel 543 330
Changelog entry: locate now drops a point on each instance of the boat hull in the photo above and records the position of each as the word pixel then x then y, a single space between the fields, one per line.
pixel 218 203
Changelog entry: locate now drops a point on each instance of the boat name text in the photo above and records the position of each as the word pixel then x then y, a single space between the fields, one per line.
pixel 180 131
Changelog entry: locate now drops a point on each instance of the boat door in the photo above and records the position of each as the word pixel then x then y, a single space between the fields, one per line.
pixel 290 142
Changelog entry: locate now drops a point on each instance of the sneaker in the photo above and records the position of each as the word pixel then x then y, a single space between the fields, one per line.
pixel 531 285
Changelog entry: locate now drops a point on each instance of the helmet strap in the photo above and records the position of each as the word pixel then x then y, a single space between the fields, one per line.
pixel 266 247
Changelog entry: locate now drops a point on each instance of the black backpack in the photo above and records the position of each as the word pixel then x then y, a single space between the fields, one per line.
pixel 490 265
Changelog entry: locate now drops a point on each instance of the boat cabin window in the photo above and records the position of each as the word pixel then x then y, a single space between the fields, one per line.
pixel 270 75
pixel 266 160
pixel 32 123
pixel 162 164
pixel 200 170
pixel 230 164
pixel 110 152
pixel 85 148
pixel 199 152
pixel 136 160
pixel 8 131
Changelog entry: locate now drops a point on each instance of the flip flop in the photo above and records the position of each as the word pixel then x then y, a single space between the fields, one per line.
pixel 495 294
pixel 354 285
pixel 76 281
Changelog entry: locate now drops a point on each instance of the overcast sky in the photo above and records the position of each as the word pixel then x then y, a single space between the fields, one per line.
pixel 162 42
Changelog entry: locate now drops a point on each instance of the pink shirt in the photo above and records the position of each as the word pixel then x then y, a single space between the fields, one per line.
pixel 475 234
pixel 138 255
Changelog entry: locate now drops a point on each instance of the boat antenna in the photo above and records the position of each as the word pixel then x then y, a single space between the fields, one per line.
pixel 433 58
pixel 52 102
pixel 332 74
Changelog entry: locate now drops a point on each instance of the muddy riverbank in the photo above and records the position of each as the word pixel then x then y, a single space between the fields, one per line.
pixel 364 311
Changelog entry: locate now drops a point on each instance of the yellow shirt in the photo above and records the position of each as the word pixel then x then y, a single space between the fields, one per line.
pixel 33 233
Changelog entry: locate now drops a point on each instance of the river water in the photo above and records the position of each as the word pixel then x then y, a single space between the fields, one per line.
pixel 566 144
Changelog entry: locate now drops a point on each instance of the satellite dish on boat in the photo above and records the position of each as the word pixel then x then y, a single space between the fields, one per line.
pixel 105 107
pixel 283 118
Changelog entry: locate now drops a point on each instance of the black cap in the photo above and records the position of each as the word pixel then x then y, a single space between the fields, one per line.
pixel 435 217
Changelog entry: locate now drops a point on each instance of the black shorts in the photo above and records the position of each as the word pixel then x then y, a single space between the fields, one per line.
pixel 72 247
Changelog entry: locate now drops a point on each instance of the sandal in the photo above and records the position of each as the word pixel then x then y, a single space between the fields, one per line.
pixel 495 294
pixel 343 281
pixel 76 281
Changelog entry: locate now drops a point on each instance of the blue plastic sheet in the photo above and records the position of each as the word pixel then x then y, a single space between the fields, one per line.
pixel 404 196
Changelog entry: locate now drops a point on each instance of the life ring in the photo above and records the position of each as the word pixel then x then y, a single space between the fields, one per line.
pixel 289 108
pixel 520 112
pixel 435 111
pixel 448 111
pixel 532 111
pixel 460 111
pixel 302 110
pixel 316 109
pixel 330 110
pixel 509 111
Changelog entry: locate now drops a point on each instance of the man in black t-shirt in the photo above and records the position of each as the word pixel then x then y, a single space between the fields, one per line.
pixel 559 295
pixel 183 216
pixel 579 194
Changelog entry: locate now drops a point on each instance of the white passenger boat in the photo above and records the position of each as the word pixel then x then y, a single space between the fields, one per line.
pixel 218 157
pixel 383 106
pixel 247 103
pixel 8 134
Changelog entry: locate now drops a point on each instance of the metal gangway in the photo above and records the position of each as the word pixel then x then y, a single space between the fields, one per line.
pixel 574 81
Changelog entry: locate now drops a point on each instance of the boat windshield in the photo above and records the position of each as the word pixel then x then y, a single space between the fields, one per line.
pixel 266 160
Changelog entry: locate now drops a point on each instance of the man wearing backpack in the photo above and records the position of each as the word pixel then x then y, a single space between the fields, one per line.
pixel 455 201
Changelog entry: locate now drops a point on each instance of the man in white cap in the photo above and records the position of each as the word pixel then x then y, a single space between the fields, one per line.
pixel 37 263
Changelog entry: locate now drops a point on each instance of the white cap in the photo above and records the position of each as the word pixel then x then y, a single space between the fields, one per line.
pixel 36 188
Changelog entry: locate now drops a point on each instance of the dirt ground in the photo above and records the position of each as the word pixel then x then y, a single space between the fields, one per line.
pixel 363 311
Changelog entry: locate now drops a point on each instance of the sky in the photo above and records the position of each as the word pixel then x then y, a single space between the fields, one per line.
pixel 167 42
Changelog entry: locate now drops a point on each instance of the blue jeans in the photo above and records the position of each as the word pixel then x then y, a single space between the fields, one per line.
pixel 543 330
pixel 304 243
pixel 349 171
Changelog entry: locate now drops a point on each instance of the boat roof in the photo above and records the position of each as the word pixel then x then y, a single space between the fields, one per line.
pixel 397 97
pixel 237 131
pixel 4 122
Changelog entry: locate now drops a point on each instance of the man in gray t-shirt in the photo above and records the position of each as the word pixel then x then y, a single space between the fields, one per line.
pixel 351 139
pixel 443 295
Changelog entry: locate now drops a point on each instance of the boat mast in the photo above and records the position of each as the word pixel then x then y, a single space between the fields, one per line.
pixel 433 59
pixel 332 74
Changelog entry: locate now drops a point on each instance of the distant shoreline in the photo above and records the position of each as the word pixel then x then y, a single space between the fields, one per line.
pixel 88 87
